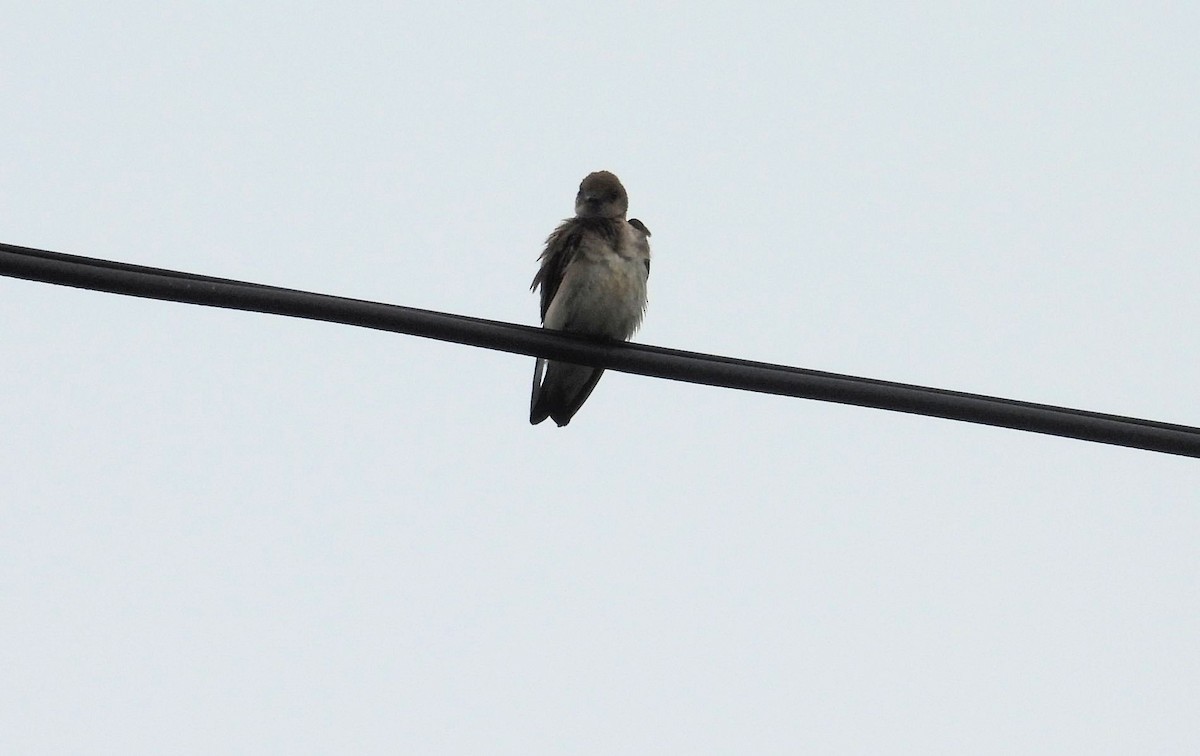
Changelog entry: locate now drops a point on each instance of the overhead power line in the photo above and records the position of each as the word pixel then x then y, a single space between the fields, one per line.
pixel 712 370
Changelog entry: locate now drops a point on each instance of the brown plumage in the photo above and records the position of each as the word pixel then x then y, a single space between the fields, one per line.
pixel 593 282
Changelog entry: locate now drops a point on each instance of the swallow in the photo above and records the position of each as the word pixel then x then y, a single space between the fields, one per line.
pixel 593 282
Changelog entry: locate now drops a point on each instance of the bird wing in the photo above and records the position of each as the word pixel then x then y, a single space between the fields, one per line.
pixel 645 232
pixel 561 247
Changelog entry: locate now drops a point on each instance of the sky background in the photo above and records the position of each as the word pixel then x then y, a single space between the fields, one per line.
pixel 231 532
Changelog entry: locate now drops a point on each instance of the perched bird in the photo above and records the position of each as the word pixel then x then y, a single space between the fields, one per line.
pixel 593 282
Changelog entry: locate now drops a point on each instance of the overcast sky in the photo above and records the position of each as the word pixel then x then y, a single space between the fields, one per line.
pixel 226 532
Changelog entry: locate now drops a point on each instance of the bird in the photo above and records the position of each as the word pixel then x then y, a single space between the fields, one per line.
pixel 592 278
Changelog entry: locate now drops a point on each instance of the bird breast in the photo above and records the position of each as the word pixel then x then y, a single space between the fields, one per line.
pixel 603 291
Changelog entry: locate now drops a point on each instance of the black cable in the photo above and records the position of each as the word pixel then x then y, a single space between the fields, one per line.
pixel 712 370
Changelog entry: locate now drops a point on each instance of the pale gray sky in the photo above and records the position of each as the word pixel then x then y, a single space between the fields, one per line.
pixel 231 532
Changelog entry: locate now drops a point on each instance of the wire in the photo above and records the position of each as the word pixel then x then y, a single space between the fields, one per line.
pixel 693 367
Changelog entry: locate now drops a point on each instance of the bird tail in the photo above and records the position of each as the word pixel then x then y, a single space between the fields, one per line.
pixel 562 391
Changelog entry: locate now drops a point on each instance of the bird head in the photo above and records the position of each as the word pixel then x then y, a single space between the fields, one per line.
pixel 601 196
